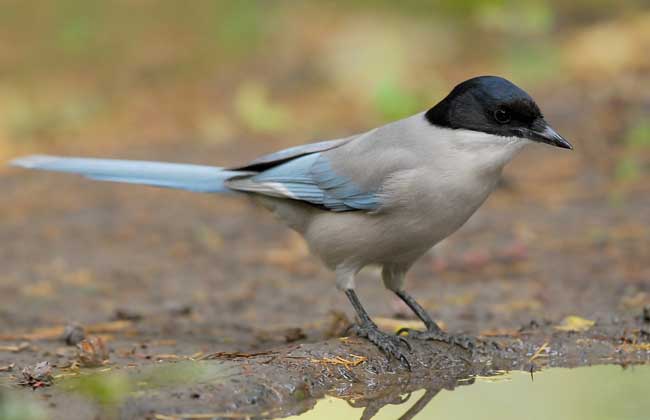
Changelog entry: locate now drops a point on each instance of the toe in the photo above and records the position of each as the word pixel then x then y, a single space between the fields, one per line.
pixel 405 342
pixel 393 346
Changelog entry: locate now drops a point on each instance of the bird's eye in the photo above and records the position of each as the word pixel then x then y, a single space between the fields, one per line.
pixel 502 116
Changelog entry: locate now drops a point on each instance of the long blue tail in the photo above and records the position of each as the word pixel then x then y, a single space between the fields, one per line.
pixel 198 178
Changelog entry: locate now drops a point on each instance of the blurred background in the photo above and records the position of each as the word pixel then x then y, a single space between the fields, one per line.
pixel 221 82
pixel 84 76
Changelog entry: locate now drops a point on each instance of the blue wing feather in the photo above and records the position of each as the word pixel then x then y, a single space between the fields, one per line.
pixel 276 158
pixel 309 178
pixel 340 190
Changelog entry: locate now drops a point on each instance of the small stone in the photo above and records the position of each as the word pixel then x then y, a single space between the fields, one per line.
pixel 294 334
pixel 73 334
pixel 125 314
pixel 178 309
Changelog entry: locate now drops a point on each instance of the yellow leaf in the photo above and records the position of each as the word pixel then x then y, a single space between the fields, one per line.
pixel 395 324
pixel 575 323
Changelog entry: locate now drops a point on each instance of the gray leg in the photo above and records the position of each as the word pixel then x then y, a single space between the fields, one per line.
pixel 418 310
pixel 393 276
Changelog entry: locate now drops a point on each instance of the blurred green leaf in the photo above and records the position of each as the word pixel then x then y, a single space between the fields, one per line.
pixel 523 17
pixel 78 25
pixel 628 169
pixel 76 36
pixel 241 25
pixel 106 389
pixel 112 388
pixel 394 102
pixel 531 62
pixel 14 406
pixel 257 112
pixel 639 134
pixel 27 120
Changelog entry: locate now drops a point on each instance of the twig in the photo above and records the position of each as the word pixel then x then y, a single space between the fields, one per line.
pixel 538 353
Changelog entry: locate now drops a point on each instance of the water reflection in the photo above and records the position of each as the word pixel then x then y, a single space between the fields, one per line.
pixel 372 409
pixel 590 393
pixel 415 400
pixel 199 390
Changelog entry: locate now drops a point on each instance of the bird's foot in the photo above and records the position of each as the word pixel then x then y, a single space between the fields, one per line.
pixel 392 345
pixel 464 341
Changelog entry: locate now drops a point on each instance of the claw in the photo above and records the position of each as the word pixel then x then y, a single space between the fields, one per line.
pixel 406 362
pixel 406 343
pixel 389 344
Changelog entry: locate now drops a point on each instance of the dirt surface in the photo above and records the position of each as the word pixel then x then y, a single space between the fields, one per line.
pixel 165 276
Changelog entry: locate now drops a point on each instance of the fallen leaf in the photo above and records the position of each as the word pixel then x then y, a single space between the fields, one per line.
pixel 575 323
pixel 109 327
pixel 7 368
pixel 166 357
pixel 92 352
pixel 49 333
pixel 54 333
pixel 15 349
pixel 38 376
pixel 497 332
pixel 393 324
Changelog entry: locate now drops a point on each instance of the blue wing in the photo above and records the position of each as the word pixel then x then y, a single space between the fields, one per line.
pixel 309 178
pixel 285 155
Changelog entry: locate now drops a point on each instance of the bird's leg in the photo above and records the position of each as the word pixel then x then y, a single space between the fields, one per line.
pixel 366 328
pixel 419 311
pixel 433 331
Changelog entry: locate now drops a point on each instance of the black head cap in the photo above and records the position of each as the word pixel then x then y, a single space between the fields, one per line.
pixel 494 105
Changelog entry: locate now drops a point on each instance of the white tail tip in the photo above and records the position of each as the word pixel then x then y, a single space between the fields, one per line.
pixel 33 161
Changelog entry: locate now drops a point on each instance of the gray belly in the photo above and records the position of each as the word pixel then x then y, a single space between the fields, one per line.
pixel 363 239
pixel 399 233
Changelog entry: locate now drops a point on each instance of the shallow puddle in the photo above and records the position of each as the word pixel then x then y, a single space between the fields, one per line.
pixel 202 390
pixel 590 393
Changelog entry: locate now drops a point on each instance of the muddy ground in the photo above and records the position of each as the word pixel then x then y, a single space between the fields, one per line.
pixel 166 276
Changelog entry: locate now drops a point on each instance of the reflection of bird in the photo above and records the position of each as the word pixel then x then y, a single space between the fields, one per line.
pixel 383 197
pixel 372 407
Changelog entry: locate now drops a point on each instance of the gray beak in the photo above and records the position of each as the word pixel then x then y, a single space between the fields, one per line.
pixel 544 133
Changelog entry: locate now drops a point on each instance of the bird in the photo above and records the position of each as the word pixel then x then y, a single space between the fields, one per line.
pixel 380 198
